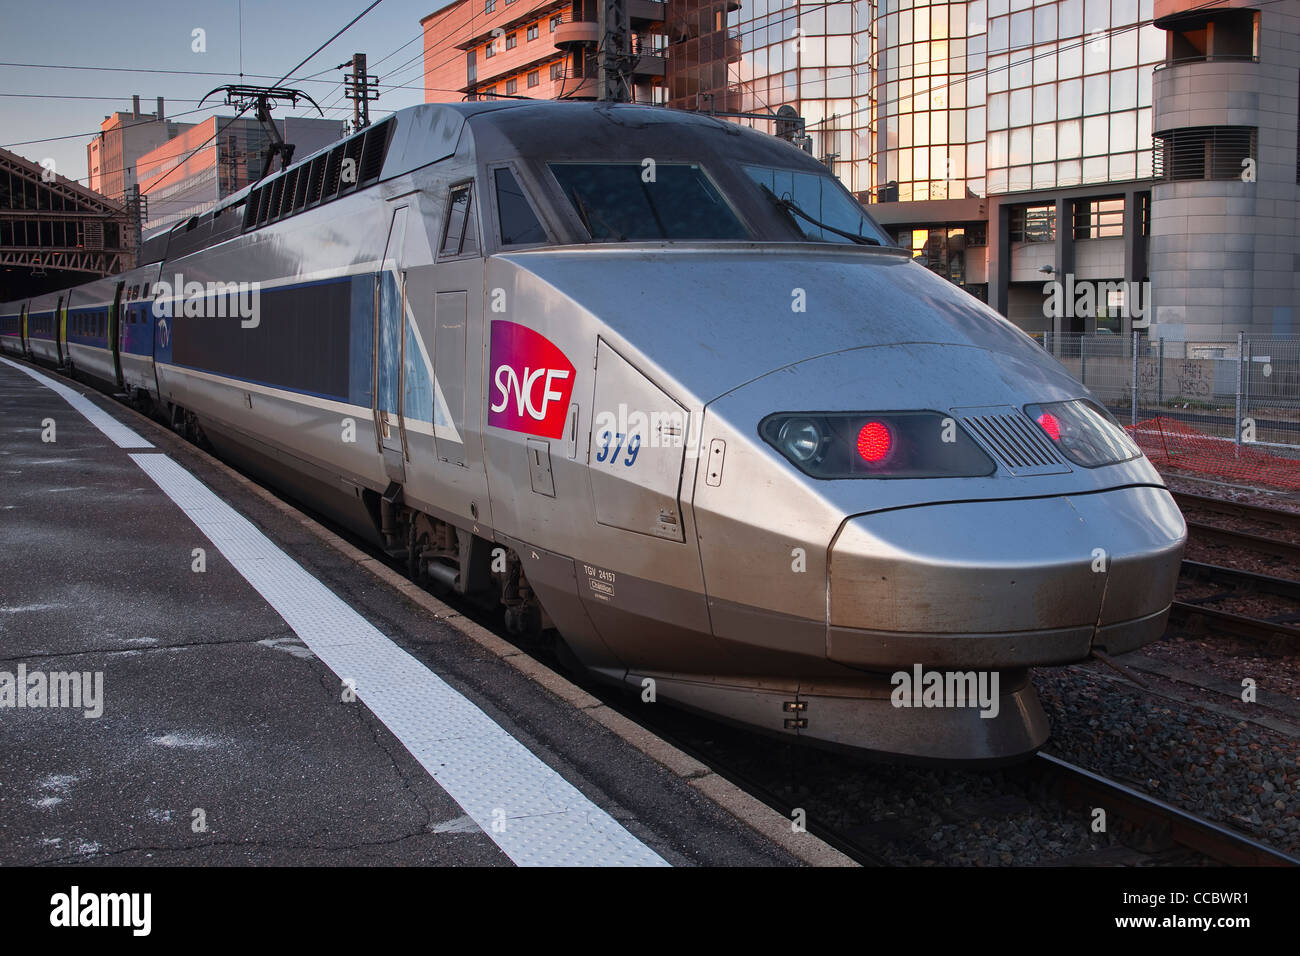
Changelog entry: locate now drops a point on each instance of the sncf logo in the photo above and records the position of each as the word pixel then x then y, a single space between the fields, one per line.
pixel 531 381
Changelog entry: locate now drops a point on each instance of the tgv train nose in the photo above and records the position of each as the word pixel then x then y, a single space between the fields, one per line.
pixel 1004 583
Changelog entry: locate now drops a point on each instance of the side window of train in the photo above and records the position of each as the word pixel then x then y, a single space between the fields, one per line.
pixel 460 231
pixel 515 216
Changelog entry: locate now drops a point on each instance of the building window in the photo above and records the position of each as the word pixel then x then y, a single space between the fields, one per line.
pixel 489 5
pixel 942 249
pixel 1033 224
pixel 557 70
pixel 511 40
pixel 556 21
pixel 534 78
pixel 489 51
pixel 511 86
pixel 532 32
pixel 1205 152
pixel 490 91
pixel 1098 218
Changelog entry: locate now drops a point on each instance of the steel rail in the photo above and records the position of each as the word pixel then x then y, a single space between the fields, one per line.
pixel 1210 839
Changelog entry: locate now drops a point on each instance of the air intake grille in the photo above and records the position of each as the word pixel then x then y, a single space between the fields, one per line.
pixel 1017 443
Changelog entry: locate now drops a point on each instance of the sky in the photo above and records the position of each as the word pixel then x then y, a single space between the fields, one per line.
pixel 158 35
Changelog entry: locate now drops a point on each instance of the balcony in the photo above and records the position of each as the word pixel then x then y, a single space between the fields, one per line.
pixel 648 64
pixel 1219 93
pixel 646 11
pixel 572 33
pixel 1210 36
pixel 735 47
pixel 579 87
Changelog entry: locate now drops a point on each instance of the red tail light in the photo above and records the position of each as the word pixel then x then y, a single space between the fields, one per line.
pixel 874 441
pixel 1050 425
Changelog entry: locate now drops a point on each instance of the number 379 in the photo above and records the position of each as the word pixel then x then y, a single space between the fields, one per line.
pixel 618 438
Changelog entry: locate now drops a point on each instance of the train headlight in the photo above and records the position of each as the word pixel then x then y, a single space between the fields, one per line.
pixel 1084 432
pixel 800 439
pixel 876 445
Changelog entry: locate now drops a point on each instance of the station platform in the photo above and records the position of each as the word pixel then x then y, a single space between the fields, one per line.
pixel 237 685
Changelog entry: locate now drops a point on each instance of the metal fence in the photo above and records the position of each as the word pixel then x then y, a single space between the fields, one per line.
pixel 1238 392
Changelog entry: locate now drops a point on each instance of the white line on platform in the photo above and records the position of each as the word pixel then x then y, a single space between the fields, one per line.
pixel 532 813
pixel 122 436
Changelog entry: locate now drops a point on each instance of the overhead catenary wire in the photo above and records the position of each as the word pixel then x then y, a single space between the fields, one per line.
pixel 282 79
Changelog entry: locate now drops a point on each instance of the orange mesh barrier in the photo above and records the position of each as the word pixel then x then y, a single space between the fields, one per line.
pixel 1174 444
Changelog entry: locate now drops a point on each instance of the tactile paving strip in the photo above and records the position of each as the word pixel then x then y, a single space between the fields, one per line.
pixel 122 436
pixel 531 812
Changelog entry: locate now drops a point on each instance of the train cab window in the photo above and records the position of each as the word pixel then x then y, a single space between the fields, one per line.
pixel 818 206
pixel 519 225
pixel 460 231
pixel 629 202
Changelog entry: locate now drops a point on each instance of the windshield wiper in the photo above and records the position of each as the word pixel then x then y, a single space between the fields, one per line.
pixel 585 216
pixel 792 208
pixel 582 211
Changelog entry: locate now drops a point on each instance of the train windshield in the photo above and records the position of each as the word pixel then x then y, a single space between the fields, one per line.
pixel 631 202
pixel 818 206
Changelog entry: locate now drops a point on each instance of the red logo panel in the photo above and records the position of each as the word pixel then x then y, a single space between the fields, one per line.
pixel 531 381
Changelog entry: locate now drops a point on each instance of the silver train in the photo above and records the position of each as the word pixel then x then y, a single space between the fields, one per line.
pixel 656 382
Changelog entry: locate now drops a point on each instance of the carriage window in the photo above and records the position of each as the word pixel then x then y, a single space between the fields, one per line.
pixel 460 234
pixel 519 225
pixel 626 202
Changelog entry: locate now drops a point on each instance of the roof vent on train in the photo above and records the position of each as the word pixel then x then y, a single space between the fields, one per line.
pixel 350 165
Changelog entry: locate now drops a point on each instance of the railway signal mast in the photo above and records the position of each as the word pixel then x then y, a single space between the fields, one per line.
pixel 613 52
pixel 360 87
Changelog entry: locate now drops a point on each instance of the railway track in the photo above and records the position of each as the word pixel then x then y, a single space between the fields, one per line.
pixel 1285 521
pixel 1239 583
pixel 1289 520
pixel 1141 810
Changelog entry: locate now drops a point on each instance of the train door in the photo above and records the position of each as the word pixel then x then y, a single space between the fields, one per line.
pixel 390 322
pixel 456 291
pixel 114 313
pixel 22 330
pixel 61 331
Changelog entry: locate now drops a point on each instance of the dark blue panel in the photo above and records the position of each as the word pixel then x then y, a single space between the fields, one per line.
pixel 361 340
